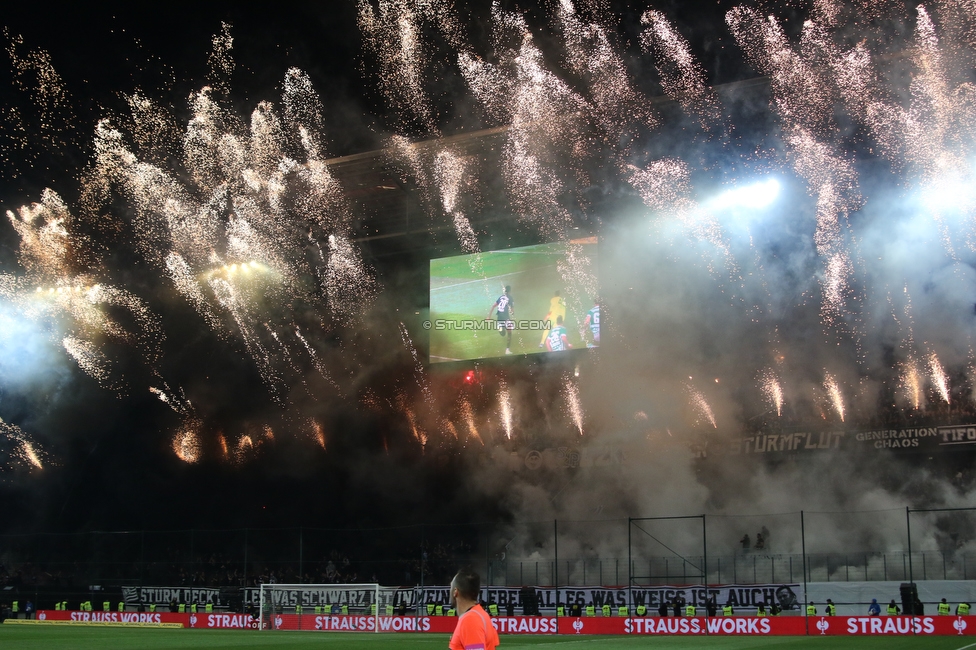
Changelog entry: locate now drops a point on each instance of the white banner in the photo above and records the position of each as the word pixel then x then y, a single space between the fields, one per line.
pixel 787 595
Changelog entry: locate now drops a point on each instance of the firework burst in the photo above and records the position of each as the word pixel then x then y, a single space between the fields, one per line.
pixel 573 404
pixel 939 377
pixel 703 411
pixel 505 409
pixel 186 442
pixel 25 451
pixel 834 394
pixel 772 389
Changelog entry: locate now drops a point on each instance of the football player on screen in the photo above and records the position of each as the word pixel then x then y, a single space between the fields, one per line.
pixel 557 341
pixel 592 321
pixel 557 307
pixel 506 311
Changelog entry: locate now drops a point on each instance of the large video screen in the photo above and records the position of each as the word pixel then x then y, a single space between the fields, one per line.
pixel 529 300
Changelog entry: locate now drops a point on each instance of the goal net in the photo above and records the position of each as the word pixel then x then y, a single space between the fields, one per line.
pixel 328 606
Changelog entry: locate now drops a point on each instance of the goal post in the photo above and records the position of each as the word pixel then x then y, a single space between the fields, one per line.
pixel 279 604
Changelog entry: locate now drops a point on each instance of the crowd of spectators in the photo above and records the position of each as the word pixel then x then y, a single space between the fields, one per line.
pixel 437 561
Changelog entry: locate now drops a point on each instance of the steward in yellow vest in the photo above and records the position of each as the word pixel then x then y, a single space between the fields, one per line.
pixel 623 611
pixel 761 610
pixel 642 610
pixel 560 610
pixel 811 610
pixel 345 609
pixel 943 608
pixel 727 610
pixel 590 610
pixel 106 606
pixel 962 609
pixel 208 608
pixel 830 609
pixel 438 610
pixel 493 608
pixel 689 610
pixel 389 610
pixel 605 610
pixel 430 609
pixel 298 609
pixel 152 607
pixel 121 606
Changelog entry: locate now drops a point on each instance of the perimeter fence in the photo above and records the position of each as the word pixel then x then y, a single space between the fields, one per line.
pixel 880 545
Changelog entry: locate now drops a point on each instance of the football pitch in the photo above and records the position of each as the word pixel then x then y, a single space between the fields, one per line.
pixel 85 638
pixel 463 289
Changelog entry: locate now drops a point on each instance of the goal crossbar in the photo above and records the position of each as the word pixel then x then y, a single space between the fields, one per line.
pixel 369 599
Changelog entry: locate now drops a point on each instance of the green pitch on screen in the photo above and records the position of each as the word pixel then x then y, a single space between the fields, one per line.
pixel 464 288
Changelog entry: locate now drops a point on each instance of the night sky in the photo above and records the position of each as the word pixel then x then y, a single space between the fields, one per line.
pixel 111 462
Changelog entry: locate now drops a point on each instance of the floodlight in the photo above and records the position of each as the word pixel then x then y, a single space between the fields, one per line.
pixel 756 195
pixel 949 194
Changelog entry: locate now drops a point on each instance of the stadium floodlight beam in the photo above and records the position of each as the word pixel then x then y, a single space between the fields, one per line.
pixel 756 195
pixel 949 194
pixel 234 268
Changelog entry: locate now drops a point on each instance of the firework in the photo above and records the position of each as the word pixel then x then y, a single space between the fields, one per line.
pixel 834 394
pixel 26 451
pixel 221 61
pixel 451 173
pixel 51 122
pixel 468 415
pixel 316 361
pixel 186 442
pixel 243 215
pixel 682 76
pixel 939 377
pixel 317 432
pixel 244 448
pixel 591 52
pixel 392 32
pixel 418 365
pixel 70 303
pixel 224 232
pixel 664 186
pixel 418 433
pixel 177 402
pixel 702 409
pixel 803 98
pixel 505 408
pixel 451 428
pixel 912 382
pixel 773 390
pixel 573 403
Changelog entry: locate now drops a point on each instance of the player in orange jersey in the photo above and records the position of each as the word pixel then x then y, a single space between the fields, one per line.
pixel 474 630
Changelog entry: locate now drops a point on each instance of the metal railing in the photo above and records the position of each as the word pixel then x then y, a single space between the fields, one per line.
pixel 520 553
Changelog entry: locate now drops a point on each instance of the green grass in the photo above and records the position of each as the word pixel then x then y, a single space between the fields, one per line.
pixel 15 637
